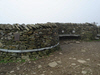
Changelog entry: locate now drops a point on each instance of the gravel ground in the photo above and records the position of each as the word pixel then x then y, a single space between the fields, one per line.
pixel 76 58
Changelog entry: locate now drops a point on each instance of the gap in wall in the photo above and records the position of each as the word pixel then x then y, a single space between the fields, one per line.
pixel 69 38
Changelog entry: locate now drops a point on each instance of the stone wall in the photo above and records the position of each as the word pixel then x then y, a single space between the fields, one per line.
pixel 86 31
pixel 34 41
pixel 98 30
pixel 28 37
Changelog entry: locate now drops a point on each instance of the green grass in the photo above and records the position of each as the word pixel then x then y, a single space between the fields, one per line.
pixel 22 60
pixel 10 61
pixel 92 40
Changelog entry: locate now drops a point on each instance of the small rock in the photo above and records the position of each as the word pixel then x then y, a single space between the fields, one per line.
pixel 88 59
pixel 34 62
pixel 84 72
pixel 98 64
pixel 39 66
pixel 97 38
pixel 81 61
pixel 44 71
pixel 34 73
pixel 59 62
pixel 18 68
pixel 51 72
pixel 73 64
pixel 74 58
pixel 70 58
pixel 42 74
pixel 77 42
pixel 83 51
pixel 29 62
pixel 53 64
pixel 60 53
pixel 12 71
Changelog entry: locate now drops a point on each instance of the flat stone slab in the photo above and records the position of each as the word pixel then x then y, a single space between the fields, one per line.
pixel 84 72
pixel 62 35
pixel 53 64
pixel 81 61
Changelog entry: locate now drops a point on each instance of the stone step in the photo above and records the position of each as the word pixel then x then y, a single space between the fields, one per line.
pixel 62 35
pixel 97 38
pixel 98 34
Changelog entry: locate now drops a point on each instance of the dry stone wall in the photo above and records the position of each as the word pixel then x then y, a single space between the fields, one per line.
pixel 86 31
pixel 98 30
pixel 34 41
pixel 28 38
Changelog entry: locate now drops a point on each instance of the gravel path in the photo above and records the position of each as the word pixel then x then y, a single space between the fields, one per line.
pixel 76 58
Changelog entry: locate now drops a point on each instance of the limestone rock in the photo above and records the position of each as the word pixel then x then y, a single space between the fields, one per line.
pixel 53 64
pixel 73 64
pixel 84 72
pixel 59 62
pixel 77 42
pixel 39 66
pixel 81 61
pixel 12 71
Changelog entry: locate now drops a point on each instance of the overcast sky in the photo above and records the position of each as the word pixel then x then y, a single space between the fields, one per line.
pixel 42 11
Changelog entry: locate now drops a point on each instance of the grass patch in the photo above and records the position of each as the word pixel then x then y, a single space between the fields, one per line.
pixel 23 60
pixel 92 40
pixel 10 61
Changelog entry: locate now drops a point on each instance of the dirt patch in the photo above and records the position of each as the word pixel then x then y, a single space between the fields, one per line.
pixel 80 58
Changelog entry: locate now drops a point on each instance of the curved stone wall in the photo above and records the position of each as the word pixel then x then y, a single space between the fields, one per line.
pixel 34 41
pixel 86 31
pixel 28 38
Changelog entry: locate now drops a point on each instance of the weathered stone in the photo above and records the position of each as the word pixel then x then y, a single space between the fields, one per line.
pixel 84 72
pixel 12 71
pixel 77 42
pixel 86 31
pixel 39 66
pixel 53 64
pixel 73 64
pixel 59 62
pixel 81 61
pixel 28 37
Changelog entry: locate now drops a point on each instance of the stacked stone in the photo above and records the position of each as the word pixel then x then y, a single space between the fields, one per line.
pixel 68 28
pixel 28 37
pixel 89 31
pixel 98 30
pixel 86 30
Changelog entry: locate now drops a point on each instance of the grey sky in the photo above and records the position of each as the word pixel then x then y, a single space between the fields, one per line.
pixel 42 11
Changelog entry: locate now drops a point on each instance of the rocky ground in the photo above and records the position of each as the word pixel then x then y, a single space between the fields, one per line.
pixel 76 58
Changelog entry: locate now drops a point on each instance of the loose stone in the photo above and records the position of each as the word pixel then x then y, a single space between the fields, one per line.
pixel 53 64
pixel 59 62
pixel 39 66
pixel 11 71
pixel 73 64
pixel 60 53
pixel 81 61
pixel 84 72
